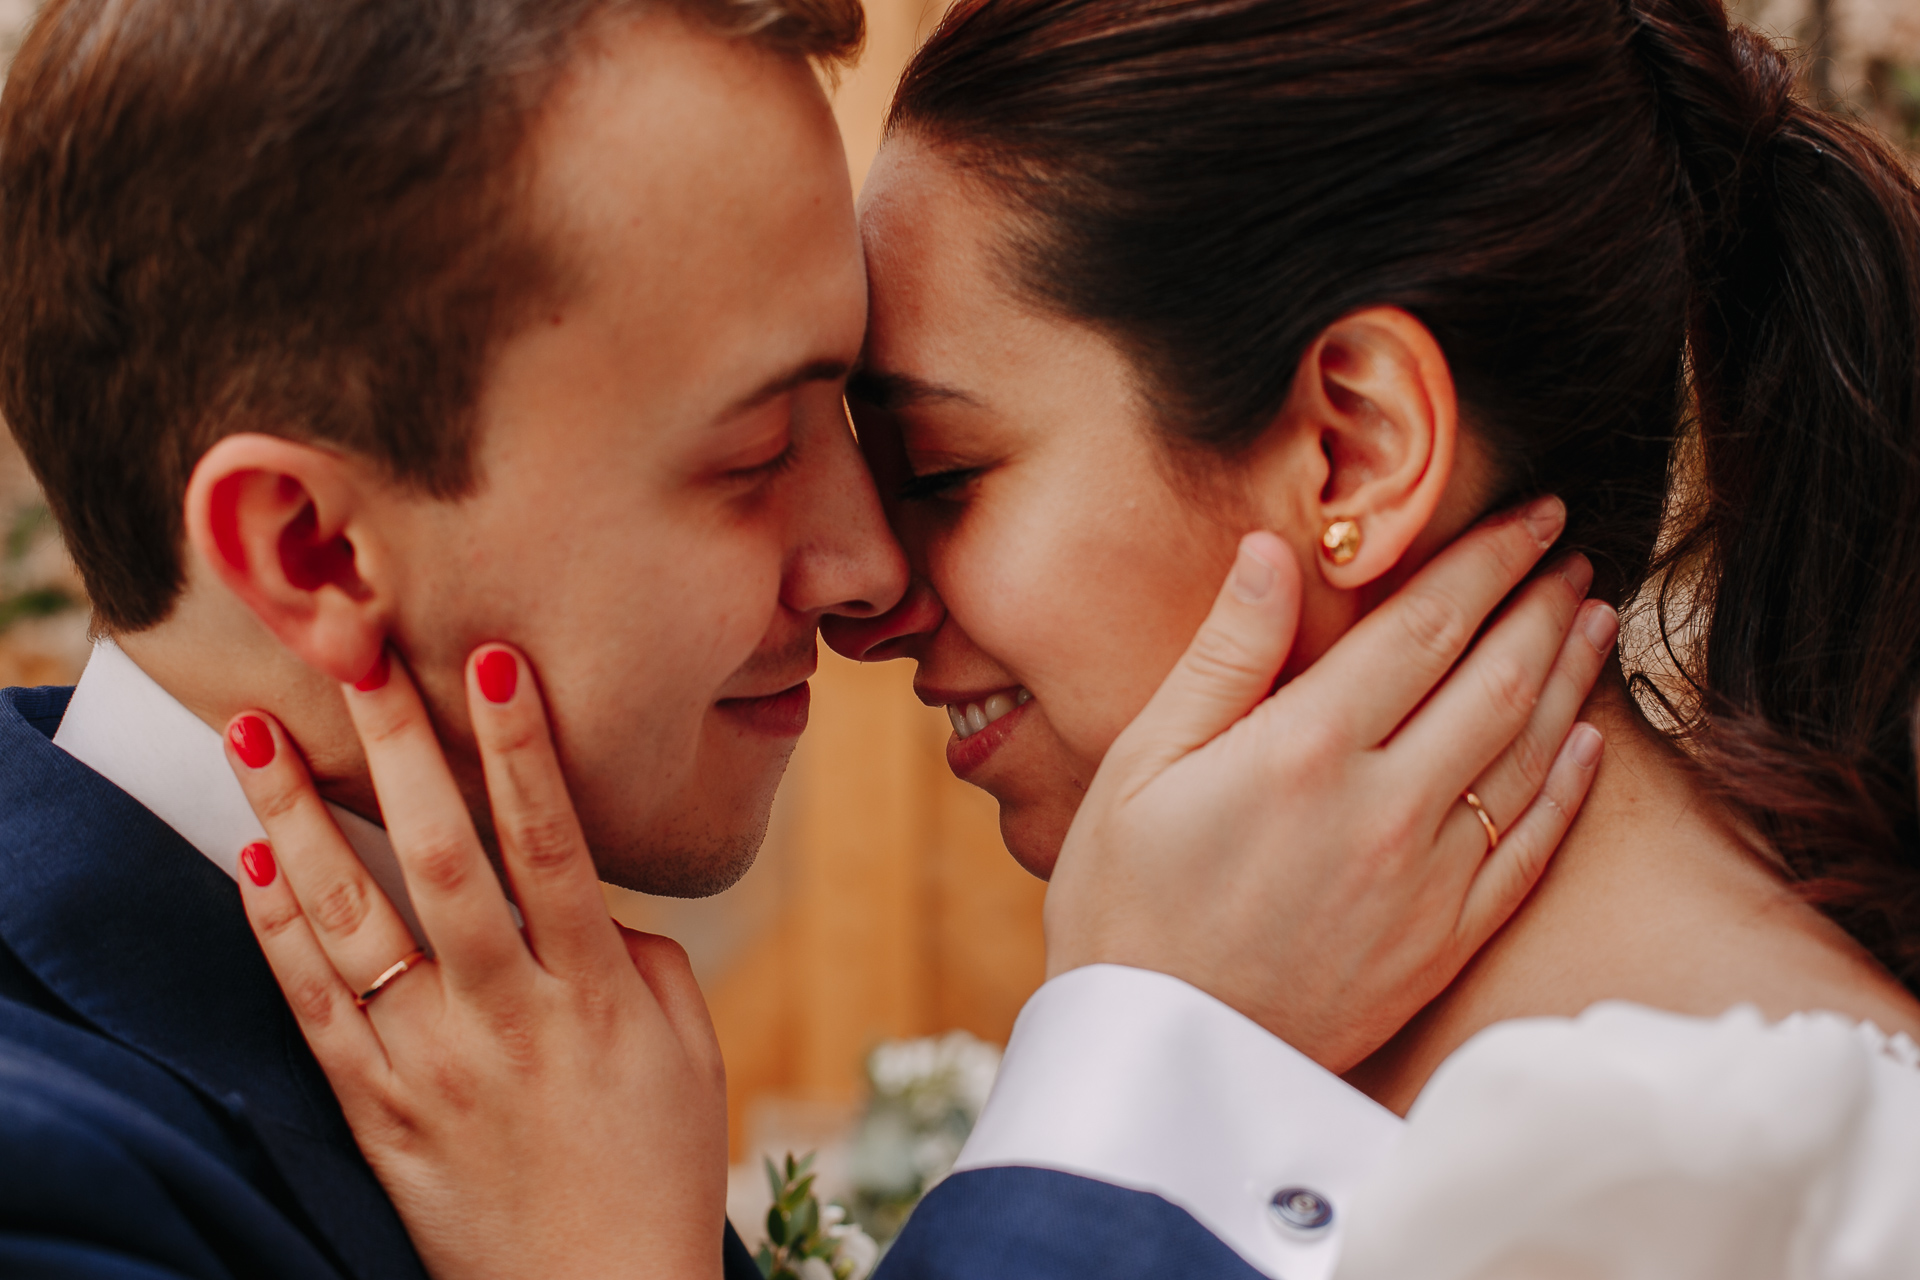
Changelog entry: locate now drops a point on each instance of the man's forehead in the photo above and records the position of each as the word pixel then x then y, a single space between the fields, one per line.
pixel 706 147
pixel 695 193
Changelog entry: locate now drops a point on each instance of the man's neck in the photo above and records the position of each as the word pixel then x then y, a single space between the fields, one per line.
pixel 216 660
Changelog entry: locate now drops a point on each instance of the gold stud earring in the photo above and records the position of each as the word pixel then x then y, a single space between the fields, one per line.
pixel 1341 541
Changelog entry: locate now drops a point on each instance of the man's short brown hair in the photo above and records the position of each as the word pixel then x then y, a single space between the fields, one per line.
pixel 291 216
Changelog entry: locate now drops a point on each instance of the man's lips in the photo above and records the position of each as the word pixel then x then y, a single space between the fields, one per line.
pixel 780 715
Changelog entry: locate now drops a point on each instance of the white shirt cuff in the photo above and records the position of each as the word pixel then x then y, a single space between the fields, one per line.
pixel 1140 1080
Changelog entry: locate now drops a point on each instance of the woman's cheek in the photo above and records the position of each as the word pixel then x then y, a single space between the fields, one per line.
pixel 1088 698
pixel 1089 715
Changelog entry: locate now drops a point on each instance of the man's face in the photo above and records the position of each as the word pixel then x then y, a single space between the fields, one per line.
pixel 670 496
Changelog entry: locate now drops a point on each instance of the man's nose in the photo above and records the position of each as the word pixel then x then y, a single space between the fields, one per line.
pixel 846 560
pixel 886 636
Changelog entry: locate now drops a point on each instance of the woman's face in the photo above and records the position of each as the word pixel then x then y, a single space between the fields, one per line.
pixel 1023 474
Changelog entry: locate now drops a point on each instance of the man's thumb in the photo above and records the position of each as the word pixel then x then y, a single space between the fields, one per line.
pixel 1230 666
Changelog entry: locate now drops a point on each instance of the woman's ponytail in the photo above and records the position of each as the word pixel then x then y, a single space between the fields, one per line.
pixel 1800 537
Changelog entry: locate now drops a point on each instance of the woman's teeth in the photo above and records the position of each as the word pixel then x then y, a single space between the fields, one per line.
pixel 975 716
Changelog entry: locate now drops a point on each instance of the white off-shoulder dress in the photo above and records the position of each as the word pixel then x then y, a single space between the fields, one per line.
pixel 1632 1144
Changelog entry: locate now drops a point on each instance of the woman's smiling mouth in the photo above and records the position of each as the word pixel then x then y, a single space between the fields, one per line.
pixel 970 718
pixel 981 725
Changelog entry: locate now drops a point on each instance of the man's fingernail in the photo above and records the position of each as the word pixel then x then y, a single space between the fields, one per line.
pixel 1545 518
pixel 377 677
pixel 499 675
pixel 257 860
pixel 1585 743
pixel 252 741
pixel 1599 624
pixel 1577 570
pixel 1253 577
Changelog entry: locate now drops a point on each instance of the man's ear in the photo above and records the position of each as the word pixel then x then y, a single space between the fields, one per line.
pixel 1375 396
pixel 281 523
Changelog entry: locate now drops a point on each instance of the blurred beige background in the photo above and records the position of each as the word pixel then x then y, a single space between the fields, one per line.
pixel 883 905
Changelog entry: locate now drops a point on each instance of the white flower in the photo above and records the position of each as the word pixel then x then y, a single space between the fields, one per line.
pixel 855 1250
pixel 974 1064
pixel 815 1269
pixel 933 1157
pixel 898 1065
pixel 956 1069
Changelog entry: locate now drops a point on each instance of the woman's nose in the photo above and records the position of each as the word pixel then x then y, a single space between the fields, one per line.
pixel 919 613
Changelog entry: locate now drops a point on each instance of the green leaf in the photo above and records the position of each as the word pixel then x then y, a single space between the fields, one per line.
pixel 806 1221
pixel 792 1195
pixel 776 1225
pixel 774 1181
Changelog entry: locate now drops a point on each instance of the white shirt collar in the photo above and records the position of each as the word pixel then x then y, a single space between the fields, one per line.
pixel 136 735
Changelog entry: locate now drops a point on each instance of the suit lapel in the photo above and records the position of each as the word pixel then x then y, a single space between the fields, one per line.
pixel 145 939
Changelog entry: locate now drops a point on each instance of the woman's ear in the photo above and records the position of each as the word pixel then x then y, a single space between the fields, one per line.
pixel 281 523
pixel 1375 395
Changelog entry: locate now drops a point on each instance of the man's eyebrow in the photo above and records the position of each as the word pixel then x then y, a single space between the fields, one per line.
pixel 893 391
pixel 812 371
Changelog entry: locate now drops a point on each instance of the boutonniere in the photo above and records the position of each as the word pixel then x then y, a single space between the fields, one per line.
pixel 806 1241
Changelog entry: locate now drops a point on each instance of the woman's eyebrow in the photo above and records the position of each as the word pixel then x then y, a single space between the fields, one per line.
pixel 894 391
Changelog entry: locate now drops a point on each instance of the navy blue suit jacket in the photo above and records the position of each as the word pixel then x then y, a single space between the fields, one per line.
pixel 160 1115
pixel 1037 1224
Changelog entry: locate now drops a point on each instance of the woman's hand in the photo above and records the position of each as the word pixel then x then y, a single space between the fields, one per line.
pixel 1307 857
pixel 542 1104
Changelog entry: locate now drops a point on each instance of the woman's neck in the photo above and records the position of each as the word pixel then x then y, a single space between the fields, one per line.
pixel 1653 897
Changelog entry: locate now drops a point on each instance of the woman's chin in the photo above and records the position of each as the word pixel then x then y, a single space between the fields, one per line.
pixel 1033 833
pixel 1020 763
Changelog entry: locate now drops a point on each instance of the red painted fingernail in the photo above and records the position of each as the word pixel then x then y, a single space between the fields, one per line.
pixel 499 675
pixel 376 678
pixel 257 858
pixel 252 741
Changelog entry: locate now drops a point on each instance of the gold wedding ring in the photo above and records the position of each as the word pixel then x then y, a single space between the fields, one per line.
pixel 1480 812
pixel 398 967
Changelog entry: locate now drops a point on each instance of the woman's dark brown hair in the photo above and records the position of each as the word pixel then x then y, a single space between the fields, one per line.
pixel 1621 227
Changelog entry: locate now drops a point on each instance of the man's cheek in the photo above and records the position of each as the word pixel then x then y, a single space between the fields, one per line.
pixel 744 601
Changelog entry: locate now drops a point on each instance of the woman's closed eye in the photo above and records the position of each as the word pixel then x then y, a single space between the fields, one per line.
pixel 937 484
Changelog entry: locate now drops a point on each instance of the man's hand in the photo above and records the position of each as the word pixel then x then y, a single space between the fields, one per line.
pixel 1307 857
